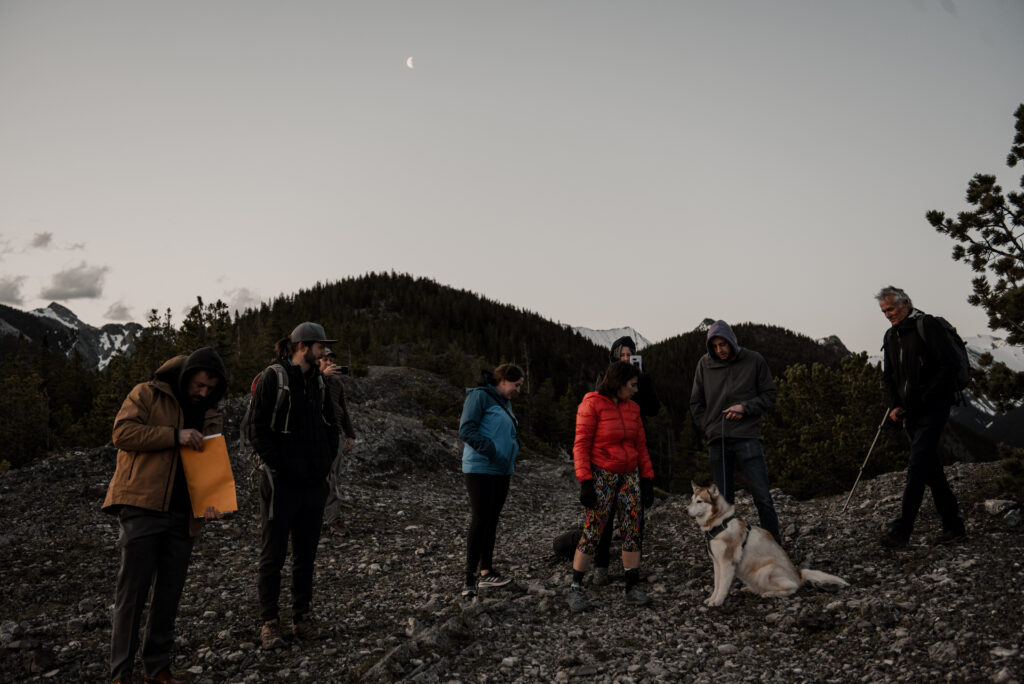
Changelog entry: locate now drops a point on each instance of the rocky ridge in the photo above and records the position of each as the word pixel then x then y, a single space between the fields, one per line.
pixel 387 594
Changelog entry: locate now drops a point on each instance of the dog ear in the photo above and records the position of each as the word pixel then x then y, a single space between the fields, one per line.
pixel 713 490
pixel 694 485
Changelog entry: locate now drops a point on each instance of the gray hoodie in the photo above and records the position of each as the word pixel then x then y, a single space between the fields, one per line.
pixel 743 379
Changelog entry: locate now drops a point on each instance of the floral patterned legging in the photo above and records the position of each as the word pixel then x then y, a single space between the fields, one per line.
pixel 611 488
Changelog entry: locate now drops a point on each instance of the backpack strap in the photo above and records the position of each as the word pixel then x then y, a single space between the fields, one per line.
pixel 283 393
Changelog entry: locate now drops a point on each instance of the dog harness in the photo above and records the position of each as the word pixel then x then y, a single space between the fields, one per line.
pixel 718 529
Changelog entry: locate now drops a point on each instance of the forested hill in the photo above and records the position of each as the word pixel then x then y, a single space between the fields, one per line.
pixel 827 403
pixel 672 362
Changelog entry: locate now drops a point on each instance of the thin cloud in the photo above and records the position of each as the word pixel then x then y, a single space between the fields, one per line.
pixel 41 240
pixel 118 311
pixel 80 282
pixel 241 299
pixel 10 290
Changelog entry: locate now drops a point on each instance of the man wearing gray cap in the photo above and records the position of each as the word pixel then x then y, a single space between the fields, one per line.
pixel 296 438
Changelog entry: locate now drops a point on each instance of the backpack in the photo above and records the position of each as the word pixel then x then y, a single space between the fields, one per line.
pixel 247 429
pixel 963 371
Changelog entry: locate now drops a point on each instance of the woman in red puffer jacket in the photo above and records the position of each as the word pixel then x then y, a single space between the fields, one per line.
pixel 613 466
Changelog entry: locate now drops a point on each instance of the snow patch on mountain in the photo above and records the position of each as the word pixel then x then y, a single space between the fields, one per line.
pixel 1001 352
pixel 604 338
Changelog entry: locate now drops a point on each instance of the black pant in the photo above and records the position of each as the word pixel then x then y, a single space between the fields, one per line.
pixel 487 494
pixel 925 470
pixel 298 512
pixel 155 552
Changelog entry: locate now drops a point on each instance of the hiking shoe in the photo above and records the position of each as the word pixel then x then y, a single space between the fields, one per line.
pixel 600 577
pixel 338 529
pixel 270 635
pixel 950 535
pixel 894 540
pixel 304 628
pixel 636 597
pixel 469 591
pixel 492 580
pixel 578 604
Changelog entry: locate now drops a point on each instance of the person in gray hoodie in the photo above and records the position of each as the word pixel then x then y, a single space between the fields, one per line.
pixel 732 387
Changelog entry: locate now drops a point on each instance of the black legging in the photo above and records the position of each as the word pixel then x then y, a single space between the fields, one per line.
pixel 487 494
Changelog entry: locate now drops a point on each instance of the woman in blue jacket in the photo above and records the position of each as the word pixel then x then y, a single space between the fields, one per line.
pixel 489 430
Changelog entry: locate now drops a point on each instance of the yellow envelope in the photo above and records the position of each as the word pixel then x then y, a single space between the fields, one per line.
pixel 208 473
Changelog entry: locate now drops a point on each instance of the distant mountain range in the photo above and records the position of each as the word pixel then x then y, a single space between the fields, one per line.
pixel 604 338
pixel 65 332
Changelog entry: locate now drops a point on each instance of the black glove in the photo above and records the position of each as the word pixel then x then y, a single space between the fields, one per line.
pixel 588 495
pixel 646 492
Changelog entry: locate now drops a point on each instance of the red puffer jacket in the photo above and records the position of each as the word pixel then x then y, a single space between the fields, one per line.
pixel 610 436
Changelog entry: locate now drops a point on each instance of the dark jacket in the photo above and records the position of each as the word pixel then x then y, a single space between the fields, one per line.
pixel 303 454
pixel 919 376
pixel 341 416
pixel 645 397
pixel 743 379
pixel 146 432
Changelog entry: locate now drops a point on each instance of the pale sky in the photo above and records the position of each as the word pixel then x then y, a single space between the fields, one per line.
pixel 604 164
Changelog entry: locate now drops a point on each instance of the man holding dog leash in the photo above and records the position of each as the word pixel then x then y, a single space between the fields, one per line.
pixel 732 387
pixel 920 379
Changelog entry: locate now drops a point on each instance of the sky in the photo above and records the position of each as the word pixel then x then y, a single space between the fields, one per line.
pixel 604 164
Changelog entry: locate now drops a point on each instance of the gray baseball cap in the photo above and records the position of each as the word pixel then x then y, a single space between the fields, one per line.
pixel 310 332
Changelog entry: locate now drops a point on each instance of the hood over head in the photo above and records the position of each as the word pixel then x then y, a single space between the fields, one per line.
pixel 178 371
pixel 618 344
pixel 722 329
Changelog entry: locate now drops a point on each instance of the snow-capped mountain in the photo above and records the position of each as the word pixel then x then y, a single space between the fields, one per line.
pixel 63 330
pixel 604 338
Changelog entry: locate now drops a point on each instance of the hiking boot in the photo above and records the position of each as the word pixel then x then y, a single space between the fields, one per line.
pixel 894 539
pixel 492 580
pixel 578 604
pixel 600 577
pixel 270 635
pixel 636 597
pixel 304 628
pixel 469 591
pixel 950 535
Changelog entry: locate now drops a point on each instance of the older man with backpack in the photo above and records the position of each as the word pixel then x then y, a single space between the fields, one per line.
pixel 294 434
pixel 924 365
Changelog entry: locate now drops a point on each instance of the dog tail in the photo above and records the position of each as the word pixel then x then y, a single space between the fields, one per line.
pixel 819 577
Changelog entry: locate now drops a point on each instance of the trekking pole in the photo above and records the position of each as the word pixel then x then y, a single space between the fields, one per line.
pixel 863 465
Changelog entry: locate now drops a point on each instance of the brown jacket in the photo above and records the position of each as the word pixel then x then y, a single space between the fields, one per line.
pixel 145 434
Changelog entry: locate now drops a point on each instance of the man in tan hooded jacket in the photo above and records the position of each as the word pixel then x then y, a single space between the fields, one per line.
pixel 149 494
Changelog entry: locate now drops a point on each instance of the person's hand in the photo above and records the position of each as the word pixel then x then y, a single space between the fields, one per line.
pixel 349 443
pixel 212 513
pixel 646 492
pixel 734 412
pixel 193 439
pixel 898 415
pixel 588 495
pixel 332 369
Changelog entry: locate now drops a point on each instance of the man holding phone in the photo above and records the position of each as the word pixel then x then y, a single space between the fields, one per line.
pixel 732 387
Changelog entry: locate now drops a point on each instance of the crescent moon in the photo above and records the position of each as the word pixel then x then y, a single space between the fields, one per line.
pixel 408 63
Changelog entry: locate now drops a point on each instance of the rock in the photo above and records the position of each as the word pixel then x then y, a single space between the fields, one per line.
pixel 943 652
pixel 998 506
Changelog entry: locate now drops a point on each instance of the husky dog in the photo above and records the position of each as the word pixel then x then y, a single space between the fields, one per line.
pixel 739 549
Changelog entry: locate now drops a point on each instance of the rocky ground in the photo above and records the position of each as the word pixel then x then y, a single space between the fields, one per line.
pixel 387 596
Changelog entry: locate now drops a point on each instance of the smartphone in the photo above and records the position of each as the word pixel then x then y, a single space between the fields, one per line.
pixel 637 361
